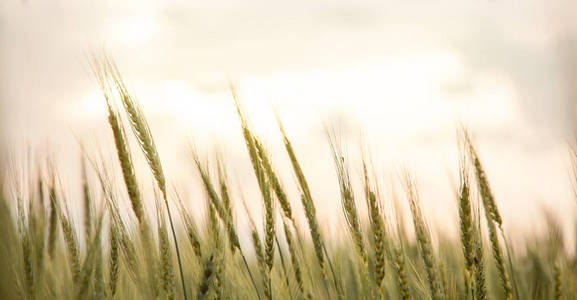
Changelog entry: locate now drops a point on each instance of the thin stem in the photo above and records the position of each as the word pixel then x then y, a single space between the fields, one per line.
pixel 282 263
pixel 177 248
pixel 250 274
pixel 337 286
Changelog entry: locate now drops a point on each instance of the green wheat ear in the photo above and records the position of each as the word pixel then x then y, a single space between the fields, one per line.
pixel 347 196
pixel 423 239
pixel 377 227
pixel 466 221
pixel 492 214
pixel 87 202
pixel 253 145
pixel 102 72
pixel 142 132
pixel 166 268
pixel 306 199
pixel 191 229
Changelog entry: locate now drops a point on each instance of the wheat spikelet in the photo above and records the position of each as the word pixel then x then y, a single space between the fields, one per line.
pixel 269 238
pixel 222 182
pixel 39 227
pixel 224 194
pixel 251 141
pixel 294 260
pixel 491 214
pixel 129 254
pixel 259 253
pixel 216 204
pixel 218 280
pixel 261 262
pixel 126 165
pixel 215 200
pixel 99 286
pixel 207 277
pixel 480 285
pixel 400 272
pixel 120 238
pixel 213 229
pixel 466 225
pixel 113 259
pixel 52 222
pixel 152 260
pixel 347 196
pixel 557 290
pixel 482 182
pixel 498 257
pixel 424 240
pixel 142 132
pixel 86 202
pixel 310 211
pixel 71 242
pixel 102 73
pixel 191 229
pixel 27 257
pixel 166 267
pixel 274 181
pixel 306 200
pixel 93 253
pixel 219 274
pixel 138 124
pixel 128 250
pixel 218 251
pixel 377 228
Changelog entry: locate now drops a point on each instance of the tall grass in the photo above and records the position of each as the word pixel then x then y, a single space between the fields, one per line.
pixel 116 249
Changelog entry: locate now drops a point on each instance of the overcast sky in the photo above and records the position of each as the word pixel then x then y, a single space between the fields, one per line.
pixel 404 74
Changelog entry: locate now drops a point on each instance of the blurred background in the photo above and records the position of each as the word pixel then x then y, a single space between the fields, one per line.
pixel 396 76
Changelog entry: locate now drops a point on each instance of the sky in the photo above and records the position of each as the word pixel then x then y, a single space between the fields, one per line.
pixel 396 75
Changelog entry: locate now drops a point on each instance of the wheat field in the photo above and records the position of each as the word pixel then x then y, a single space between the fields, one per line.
pixel 122 249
